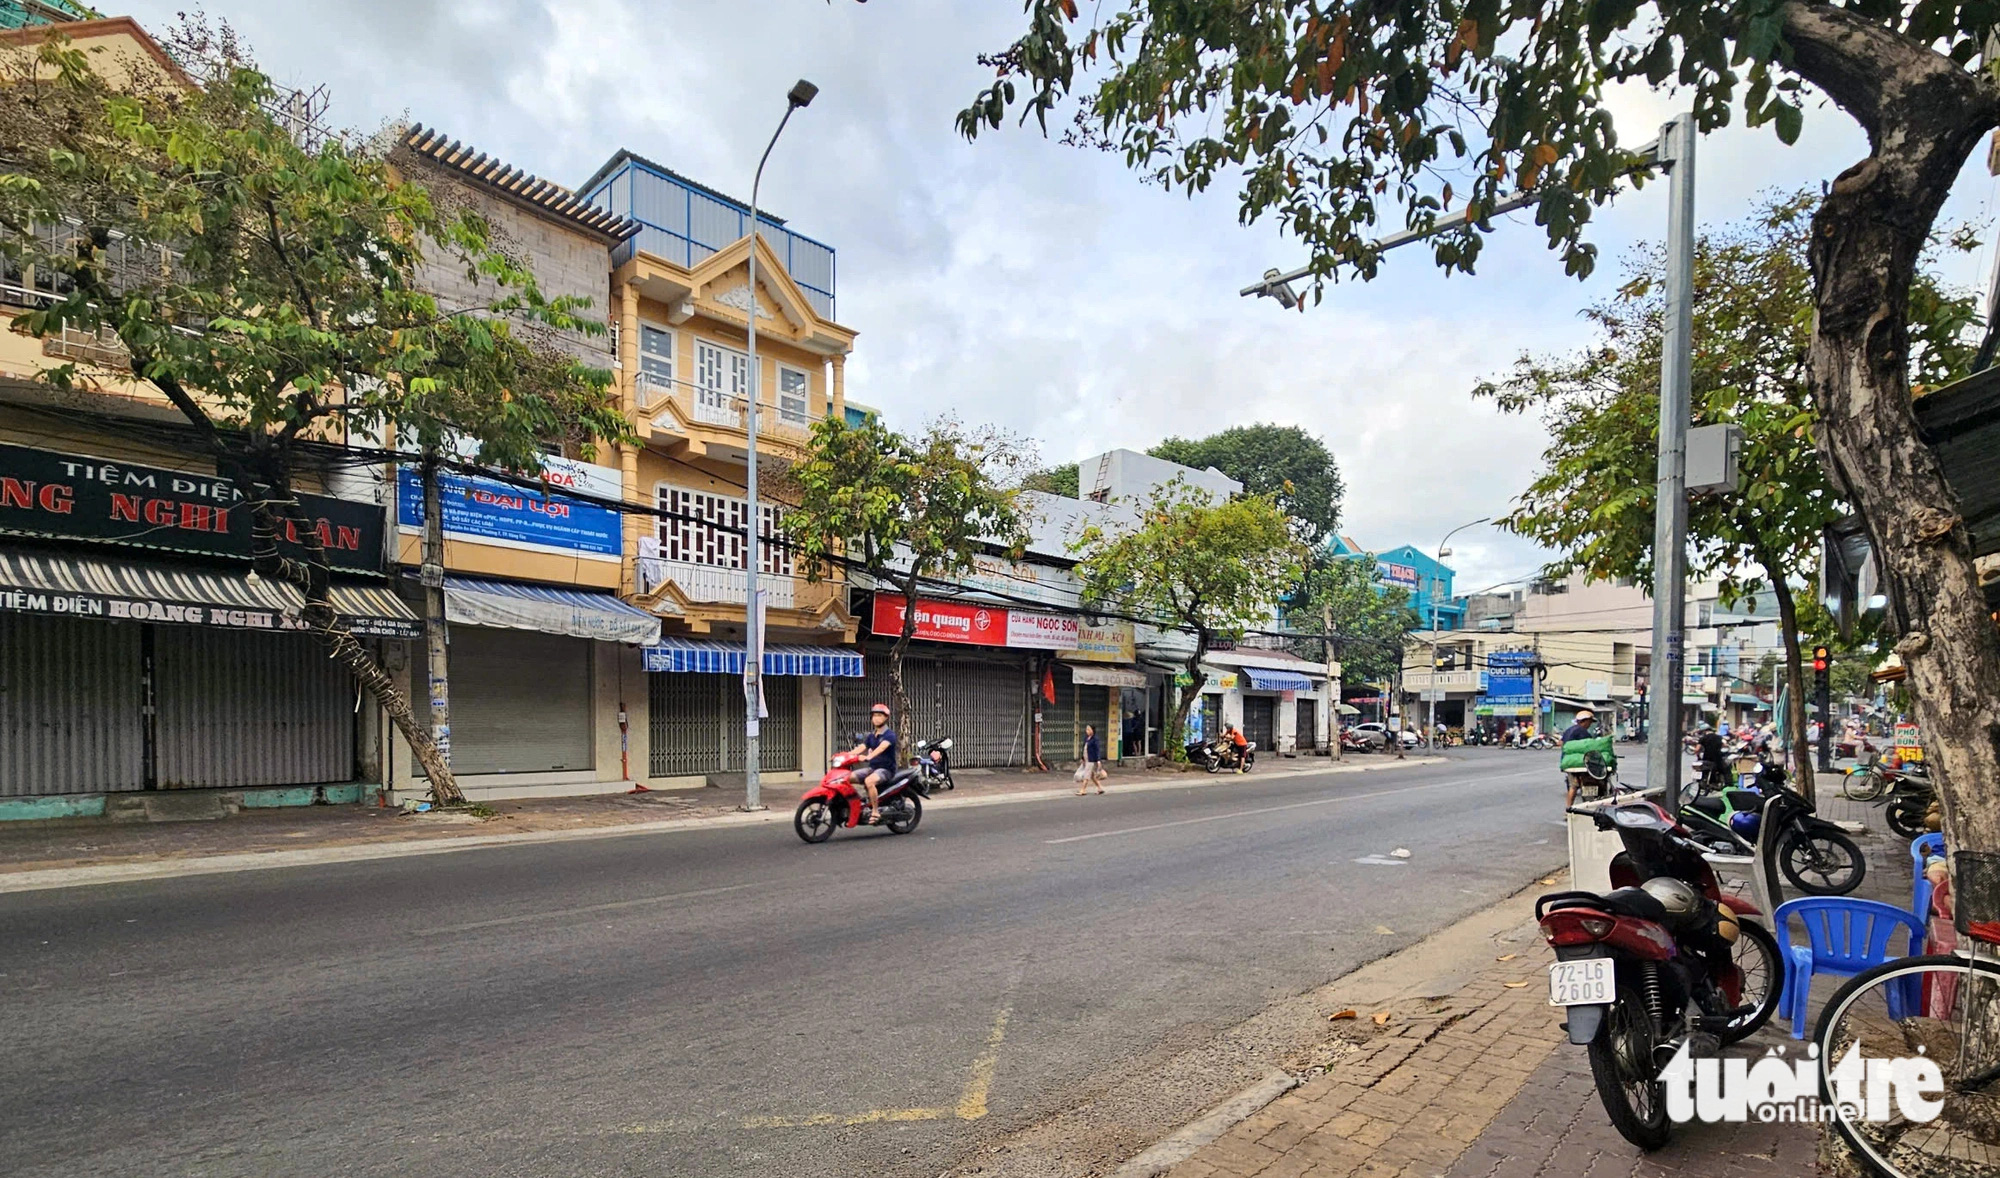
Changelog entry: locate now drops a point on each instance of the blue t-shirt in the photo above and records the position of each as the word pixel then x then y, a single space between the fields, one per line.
pixel 881 748
pixel 1093 749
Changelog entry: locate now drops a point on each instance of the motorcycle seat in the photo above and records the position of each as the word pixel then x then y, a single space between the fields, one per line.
pixel 1710 804
pixel 1635 902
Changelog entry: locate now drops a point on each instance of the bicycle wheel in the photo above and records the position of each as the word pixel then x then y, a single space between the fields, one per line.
pixel 1863 785
pixel 1943 1007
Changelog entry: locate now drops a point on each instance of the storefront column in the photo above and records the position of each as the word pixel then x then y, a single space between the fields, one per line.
pixel 628 454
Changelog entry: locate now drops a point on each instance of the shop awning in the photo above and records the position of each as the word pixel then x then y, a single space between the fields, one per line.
pixel 142 591
pixel 1747 700
pixel 508 605
pixel 1347 709
pixel 1108 676
pixel 1267 679
pixel 701 655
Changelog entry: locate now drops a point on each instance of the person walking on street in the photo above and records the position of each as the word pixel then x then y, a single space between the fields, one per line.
pixel 1093 761
pixel 1585 748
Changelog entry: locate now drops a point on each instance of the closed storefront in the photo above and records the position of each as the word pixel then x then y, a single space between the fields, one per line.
pixel 696 725
pixel 1308 730
pixel 977 699
pixel 520 701
pixel 157 676
pixel 1062 722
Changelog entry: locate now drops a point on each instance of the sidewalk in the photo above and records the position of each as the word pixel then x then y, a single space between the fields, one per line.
pixel 1489 1087
pixel 90 842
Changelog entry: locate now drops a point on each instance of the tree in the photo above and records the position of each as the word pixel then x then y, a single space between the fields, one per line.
pixel 1593 501
pixel 1284 462
pixel 1340 116
pixel 1210 568
pixel 269 294
pixel 906 509
pixel 1055 480
pixel 1365 622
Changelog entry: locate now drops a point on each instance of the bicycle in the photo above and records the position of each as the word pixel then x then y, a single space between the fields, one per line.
pixel 1945 1006
pixel 1863 783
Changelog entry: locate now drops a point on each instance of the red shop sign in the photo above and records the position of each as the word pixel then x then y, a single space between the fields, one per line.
pixel 943 621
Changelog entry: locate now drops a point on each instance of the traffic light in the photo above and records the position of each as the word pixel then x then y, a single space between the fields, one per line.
pixel 1822 659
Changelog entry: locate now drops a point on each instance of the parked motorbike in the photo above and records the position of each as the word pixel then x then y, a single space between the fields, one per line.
pixel 1911 799
pixel 934 763
pixel 1815 855
pixel 1232 759
pixel 1663 960
pixel 1207 754
pixel 836 801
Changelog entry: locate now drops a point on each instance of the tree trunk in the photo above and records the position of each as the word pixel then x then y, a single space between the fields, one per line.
pixel 899 696
pixel 1924 116
pixel 1795 681
pixel 1176 735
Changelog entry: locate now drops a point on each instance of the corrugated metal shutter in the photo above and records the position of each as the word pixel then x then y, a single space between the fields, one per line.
pixel 1062 728
pixel 779 732
pixel 520 701
pixel 1258 720
pixel 981 703
pixel 1093 704
pixel 687 715
pixel 70 694
pixel 1308 734
pixel 240 707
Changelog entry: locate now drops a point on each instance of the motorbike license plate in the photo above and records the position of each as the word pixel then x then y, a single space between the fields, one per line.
pixel 1589 982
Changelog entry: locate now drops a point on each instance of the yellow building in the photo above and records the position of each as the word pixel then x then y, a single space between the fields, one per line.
pixel 683 298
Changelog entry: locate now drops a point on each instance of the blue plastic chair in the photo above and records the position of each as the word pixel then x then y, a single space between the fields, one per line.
pixel 1843 937
pixel 1924 846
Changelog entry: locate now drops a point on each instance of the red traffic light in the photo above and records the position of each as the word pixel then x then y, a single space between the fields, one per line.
pixel 1822 658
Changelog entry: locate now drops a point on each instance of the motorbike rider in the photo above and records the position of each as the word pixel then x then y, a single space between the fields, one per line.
pixel 1580 742
pixel 1239 742
pixel 1708 753
pixel 880 747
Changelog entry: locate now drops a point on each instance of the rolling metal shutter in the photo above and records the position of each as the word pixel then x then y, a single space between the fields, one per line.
pixel 1093 705
pixel 695 723
pixel 520 701
pixel 70 698
pixel 980 703
pixel 1062 727
pixel 245 707
pixel 1259 713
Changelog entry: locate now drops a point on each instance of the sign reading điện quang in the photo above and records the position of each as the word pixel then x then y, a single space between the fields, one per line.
pixel 72 497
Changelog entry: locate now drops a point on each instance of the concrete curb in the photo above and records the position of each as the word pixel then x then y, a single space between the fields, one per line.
pixel 1182 1143
pixel 114 873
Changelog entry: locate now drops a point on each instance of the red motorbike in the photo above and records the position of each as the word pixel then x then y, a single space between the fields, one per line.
pixel 1665 959
pixel 837 801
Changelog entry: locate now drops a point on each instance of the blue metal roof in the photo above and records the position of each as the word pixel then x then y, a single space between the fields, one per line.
pixel 1267 679
pixel 705 656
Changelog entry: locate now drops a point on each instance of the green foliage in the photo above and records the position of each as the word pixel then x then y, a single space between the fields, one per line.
pixel 271 290
pixel 1215 568
pixel 1284 462
pixel 1593 501
pixel 1055 480
pixel 1345 120
pixel 1366 623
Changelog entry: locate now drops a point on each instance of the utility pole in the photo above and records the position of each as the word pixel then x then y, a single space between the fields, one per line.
pixel 1663 745
pixel 1332 678
pixel 753 613
pixel 431 574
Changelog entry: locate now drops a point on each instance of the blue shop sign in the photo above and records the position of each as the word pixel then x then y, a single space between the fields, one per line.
pixel 493 512
pixel 1510 673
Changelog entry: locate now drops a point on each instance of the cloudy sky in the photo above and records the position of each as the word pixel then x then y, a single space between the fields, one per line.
pixel 1016 280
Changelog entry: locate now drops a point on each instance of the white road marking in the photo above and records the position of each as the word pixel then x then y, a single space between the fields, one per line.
pixel 1380 861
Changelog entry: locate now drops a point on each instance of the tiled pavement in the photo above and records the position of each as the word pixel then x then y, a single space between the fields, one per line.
pixel 1494 1090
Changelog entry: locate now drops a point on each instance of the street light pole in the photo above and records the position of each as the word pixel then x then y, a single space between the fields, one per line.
pixel 1663 722
pixel 753 622
pixel 1444 550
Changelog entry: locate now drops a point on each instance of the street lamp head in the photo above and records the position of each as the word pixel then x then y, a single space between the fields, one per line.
pixel 1443 552
pixel 1281 291
pixel 803 92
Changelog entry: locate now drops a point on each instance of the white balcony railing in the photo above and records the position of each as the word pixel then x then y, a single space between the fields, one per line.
pixel 709 583
pixel 789 419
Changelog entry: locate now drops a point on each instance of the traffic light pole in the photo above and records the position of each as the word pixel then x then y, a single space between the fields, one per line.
pixel 1823 700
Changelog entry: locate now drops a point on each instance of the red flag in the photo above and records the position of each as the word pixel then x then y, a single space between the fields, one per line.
pixel 1049 684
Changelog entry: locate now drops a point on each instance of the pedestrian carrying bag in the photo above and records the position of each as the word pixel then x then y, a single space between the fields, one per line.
pixel 1082 772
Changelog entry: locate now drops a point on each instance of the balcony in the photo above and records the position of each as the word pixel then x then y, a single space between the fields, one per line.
pixel 678 408
pixel 706 584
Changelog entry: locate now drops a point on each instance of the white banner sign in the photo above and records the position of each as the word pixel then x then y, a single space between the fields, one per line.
pixel 1041 631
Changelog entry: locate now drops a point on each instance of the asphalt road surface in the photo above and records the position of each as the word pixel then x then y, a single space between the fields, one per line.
pixel 725 1001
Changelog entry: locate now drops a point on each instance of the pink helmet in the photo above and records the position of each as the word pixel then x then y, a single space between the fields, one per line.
pixel 882 708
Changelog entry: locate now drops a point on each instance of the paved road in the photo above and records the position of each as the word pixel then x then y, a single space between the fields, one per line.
pixel 718 1002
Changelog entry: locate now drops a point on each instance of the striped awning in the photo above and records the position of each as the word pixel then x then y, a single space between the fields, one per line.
pixel 706 656
pixel 1267 679
pixel 143 591
pixel 551 609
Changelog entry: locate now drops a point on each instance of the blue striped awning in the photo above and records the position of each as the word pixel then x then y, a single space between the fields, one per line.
pixel 1266 679
pixel 508 605
pixel 705 656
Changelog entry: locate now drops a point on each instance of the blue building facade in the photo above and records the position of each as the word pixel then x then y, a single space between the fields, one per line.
pixel 1422 576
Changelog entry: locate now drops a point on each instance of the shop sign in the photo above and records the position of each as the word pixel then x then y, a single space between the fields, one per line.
pixel 1031 631
pixel 71 497
pixel 1510 673
pixel 943 621
pixel 1401 575
pixel 485 511
pixel 1908 746
pixel 1108 642
pixel 184 613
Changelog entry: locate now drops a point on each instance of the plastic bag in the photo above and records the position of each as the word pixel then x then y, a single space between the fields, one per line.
pixel 1082 773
